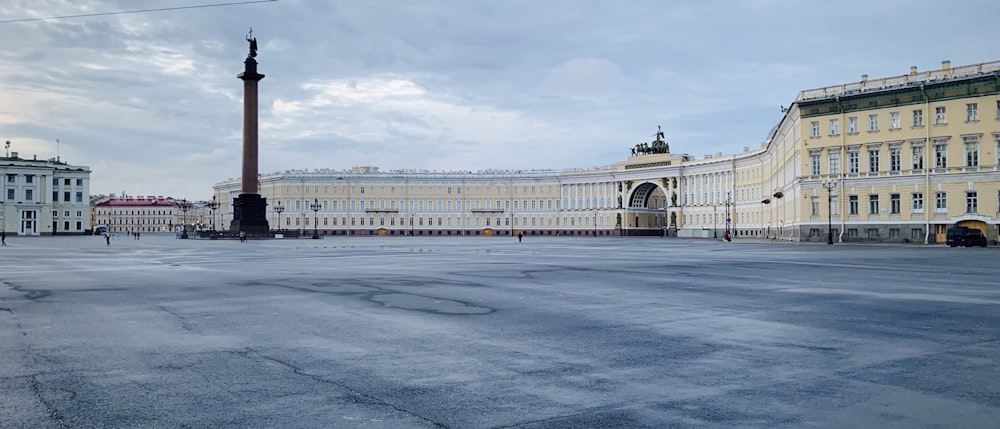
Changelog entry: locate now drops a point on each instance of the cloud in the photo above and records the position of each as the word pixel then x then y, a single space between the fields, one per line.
pixel 151 101
pixel 583 78
pixel 419 124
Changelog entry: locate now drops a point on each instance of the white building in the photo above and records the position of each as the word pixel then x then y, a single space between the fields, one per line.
pixel 897 159
pixel 43 197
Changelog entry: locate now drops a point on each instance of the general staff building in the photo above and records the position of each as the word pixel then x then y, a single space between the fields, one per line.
pixel 894 159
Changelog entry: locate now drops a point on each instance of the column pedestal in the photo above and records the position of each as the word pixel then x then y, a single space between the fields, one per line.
pixel 249 214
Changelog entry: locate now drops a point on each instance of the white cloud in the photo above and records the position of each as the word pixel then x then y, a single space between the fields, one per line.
pixel 405 108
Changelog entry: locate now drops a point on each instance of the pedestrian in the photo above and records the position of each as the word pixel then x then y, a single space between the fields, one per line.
pixel 519 236
pixel 137 236
pixel 107 238
pixel 3 237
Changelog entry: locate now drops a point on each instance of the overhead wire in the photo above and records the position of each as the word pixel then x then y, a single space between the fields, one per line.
pixel 162 9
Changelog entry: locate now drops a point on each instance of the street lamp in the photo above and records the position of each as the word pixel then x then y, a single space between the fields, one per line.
pixel 184 208
pixel 279 208
pixel 830 186
pixel 315 206
pixel 715 221
pixel 212 206
pixel 728 234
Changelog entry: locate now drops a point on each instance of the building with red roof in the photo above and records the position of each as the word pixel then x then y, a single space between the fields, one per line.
pixel 148 214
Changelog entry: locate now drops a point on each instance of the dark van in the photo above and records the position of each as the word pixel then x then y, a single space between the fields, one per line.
pixel 965 237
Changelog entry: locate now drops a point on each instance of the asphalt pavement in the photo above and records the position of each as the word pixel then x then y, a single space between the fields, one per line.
pixel 486 332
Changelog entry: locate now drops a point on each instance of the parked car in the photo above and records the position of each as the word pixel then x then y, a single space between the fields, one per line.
pixel 966 237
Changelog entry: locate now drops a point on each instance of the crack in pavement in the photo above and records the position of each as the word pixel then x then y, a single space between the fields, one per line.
pixel 364 396
pixel 185 324
pixel 50 408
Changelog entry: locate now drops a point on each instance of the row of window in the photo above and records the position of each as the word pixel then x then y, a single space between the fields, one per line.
pixel 138 229
pixel 67 196
pixel 29 195
pixel 419 190
pixel 453 205
pixel 137 212
pixel 894 233
pixel 66 224
pixel 441 221
pixel 113 221
pixel 917 199
pixel 30 178
pixel 55 213
pixel 895 121
pixel 66 182
pixel 971 156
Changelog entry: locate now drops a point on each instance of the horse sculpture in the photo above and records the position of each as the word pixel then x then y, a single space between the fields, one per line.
pixel 659 145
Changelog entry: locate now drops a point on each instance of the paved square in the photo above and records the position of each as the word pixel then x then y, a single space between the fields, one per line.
pixel 485 332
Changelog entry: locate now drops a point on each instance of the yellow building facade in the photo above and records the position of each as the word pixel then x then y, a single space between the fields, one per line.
pixel 906 157
pixel 897 159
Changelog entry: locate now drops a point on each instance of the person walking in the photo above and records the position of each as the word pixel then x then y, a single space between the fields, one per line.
pixel 3 237
pixel 520 235
pixel 107 238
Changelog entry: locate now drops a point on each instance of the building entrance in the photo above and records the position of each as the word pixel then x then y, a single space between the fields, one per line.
pixel 975 224
pixel 29 222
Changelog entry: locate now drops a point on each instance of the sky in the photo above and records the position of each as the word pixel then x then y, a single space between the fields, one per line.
pixel 151 103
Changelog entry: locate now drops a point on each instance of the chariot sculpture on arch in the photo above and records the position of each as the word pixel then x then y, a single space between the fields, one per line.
pixel 658 146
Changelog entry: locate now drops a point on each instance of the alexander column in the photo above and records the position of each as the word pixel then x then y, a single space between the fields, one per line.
pixel 249 209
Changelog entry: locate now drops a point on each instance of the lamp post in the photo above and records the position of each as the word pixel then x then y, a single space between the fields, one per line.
pixel 279 208
pixel 830 186
pixel 184 208
pixel 625 224
pixel 315 206
pixel 212 206
pixel 715 221
pixel 728 234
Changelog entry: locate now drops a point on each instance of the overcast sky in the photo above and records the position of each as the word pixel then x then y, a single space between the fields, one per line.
pixel 151 103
